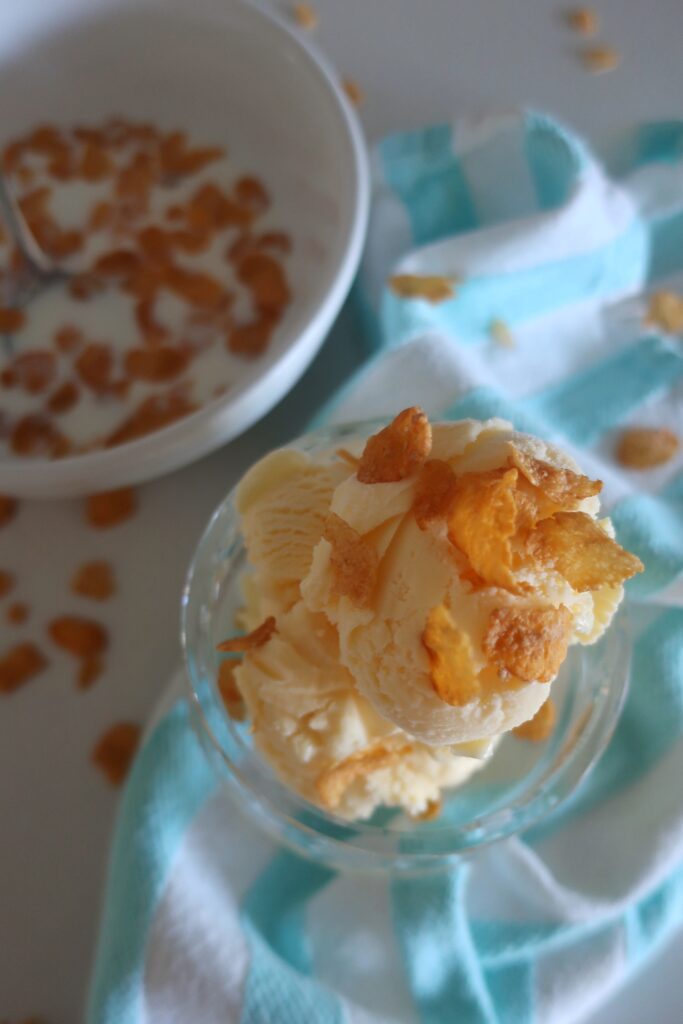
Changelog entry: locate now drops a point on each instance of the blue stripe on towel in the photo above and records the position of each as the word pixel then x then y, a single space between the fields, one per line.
pixel 423 170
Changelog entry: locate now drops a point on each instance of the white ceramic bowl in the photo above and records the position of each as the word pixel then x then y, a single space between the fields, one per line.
pixel 227 71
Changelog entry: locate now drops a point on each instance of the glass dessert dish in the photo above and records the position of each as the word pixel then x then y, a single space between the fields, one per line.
pixel 520 784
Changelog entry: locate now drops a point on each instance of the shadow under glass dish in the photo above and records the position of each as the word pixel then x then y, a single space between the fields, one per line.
pixel 519 785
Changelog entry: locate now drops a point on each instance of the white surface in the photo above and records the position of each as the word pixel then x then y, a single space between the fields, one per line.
pixel 416 62
pixel 213 68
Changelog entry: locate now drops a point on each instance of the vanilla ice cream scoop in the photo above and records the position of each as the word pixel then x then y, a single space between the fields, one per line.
pixel 422 587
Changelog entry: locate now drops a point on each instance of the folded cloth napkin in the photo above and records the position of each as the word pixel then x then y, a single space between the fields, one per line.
pixel 205 920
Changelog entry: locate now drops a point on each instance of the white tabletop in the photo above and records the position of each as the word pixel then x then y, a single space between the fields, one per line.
pixel 416 62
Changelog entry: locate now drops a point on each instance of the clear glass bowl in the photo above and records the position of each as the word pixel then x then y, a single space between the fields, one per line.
pixel 521 783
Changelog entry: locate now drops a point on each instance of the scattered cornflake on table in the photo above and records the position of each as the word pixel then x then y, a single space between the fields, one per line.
pixel 501 334
pixel 110 507
pixel 539 727
pixel 115 749
pixel 84 639
pixel 665 310
pixel 433 288
pixel 599 59
pixel 94 580
pixel 19 665
pixel 305 16
pixel 8 508
pixel 645 447
pixel 583 20
pixel 17 613
pixel 353 91
pixel 6 582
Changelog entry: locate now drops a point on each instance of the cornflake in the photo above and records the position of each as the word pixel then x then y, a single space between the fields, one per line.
pixel 564 487
pixel 81 637
pixel 94 580
pixel 230 693
pixel 353 91
pixel 529 643
pixel 583 20
pixel 433 492
pixel 449 650
pixel 19 665
pixel 665 310
pixel 114 751
pixel 305 16
pixel 110 507
pixel 333 783
pixel 431 812
pixel 599 59
pixel 483 519
pixel 398 450
pixel 577 547
pixel 645 447
pixel 257 638
pixel 353 561
pixel 541 726
pixel 432 288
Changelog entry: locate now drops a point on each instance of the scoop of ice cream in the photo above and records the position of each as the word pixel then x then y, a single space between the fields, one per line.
pixel 424 588
pixel 422 572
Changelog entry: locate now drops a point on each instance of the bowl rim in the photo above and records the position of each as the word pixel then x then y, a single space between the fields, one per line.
pixel 577 753
pixel 223 418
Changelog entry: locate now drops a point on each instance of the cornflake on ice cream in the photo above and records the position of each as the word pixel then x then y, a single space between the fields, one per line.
pixel 410 599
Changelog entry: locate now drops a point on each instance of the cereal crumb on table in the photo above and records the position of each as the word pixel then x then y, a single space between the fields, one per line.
pixel 583 20
pixel 353 91
pixel 115 749
pixel 306 16
pixel 599 59
pixel 501 334
pixel 94 580
pixel 110 507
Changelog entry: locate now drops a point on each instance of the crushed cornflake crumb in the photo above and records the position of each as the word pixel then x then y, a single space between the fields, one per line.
pixel 583 20
pixel 19 665
pixel 110 508
pixel 449 650
pixel 8 509
pixel 665 310
pixel 353 561
pixel 564 487
pixel 333 783
pixel 230 693
pixel 398 450
pixel 257 638
pixel 645 447
pixel 528 643
pixel 501 334
pixel 305 16
pixel 17 613
pixel 94 580
pixel 599 59
pixel 540 727
pixel 432 288
pixel 353 91
pixel 78 636
pixel 114 751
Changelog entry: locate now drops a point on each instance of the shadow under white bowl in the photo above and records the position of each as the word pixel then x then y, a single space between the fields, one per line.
pixel 228 72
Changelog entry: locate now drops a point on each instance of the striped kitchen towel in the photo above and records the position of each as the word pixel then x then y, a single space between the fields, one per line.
pixel 204 919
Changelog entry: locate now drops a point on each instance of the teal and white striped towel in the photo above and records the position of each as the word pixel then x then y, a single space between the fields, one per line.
pixel 205 921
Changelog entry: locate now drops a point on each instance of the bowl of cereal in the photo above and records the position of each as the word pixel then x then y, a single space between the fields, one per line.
pixel 184 217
